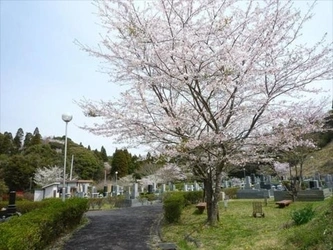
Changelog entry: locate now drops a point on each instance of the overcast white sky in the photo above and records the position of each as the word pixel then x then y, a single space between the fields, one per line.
pixel 43 71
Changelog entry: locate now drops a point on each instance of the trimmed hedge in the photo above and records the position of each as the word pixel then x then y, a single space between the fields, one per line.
pixel 38 228
pixel 26 206
pixel 173 205
pixel 193 197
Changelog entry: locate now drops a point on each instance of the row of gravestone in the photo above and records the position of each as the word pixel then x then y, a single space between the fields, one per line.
pixel 265 182
pixel 131 192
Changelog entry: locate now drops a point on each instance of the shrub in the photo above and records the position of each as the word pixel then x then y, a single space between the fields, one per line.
pixel 231 192
pixel 38 228
pixel 302 215
pixel 193 197
pixel 173 205
pixel 96 203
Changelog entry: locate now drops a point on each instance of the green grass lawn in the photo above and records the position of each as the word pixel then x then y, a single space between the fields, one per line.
pixel 238 229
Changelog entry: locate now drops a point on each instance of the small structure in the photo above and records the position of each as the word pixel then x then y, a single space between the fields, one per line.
pixel 78 187
pixel 283 203
pixel 257 209
pixel 48 191
pixel 53 190
pixel 201 207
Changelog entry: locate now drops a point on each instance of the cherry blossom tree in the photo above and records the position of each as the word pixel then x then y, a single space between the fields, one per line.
pixel 170 172
pixel 206 80
pixel 47 175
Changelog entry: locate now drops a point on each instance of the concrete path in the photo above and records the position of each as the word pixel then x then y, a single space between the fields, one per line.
pixel 119 229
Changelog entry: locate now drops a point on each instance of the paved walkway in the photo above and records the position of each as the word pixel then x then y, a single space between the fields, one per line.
pixel 118 229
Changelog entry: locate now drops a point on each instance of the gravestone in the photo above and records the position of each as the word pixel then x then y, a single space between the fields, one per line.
pixel 268 179
pixel 163 188
pixel 135 192
pixel 262 180
pixel 317 177
pixel 328 181
pixel 253 179
pixel 313 184
pixel 128 193
pixel 185 187
pixel 247 182
pixel 150 189
pixel 11 208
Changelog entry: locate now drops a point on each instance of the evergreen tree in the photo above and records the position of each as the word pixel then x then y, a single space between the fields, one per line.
pixel 17 173
pixel 103 154
pixel 86 164
pixel 6 144
pixel 18 139
pixel 36 138
pixel 119 163
pixel 27 140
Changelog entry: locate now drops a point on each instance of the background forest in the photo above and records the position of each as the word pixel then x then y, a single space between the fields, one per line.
pixel 22 155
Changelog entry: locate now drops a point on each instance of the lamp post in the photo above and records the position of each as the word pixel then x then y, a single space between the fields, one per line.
pixel 244 173
pixel 66 118
pixel 116 189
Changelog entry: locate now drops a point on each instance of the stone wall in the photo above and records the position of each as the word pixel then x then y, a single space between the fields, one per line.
pixel 252 194
pixel 304 195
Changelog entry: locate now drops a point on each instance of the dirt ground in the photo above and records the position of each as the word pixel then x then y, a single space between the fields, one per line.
pixel 119 229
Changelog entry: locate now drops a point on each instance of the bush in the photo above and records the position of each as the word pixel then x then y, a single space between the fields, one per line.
pixel 96 203
pixel 26 206
pixel 193 197
pixel 231 192
pixel 321 228
pixel 38 228
pixel 302 215
pixel 173 206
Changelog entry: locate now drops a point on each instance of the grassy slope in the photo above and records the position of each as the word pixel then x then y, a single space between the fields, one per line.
pixel 239 230
pixel 320 161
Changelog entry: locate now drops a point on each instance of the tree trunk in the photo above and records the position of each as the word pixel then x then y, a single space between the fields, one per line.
pixel 212 191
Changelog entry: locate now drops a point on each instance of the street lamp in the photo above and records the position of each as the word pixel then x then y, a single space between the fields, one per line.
pixel 244 173
pixel 116 184
pixel 66 118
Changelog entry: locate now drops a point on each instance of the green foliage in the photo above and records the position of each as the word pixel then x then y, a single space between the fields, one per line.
pixel 120 163
pixel 17 172
pixel 147 197
pixel 18 140
pixel 86 164
pixel 173 205
pixel 36 138
pixel 95 203
pixel 193 197
pixel 6 143
pixel 104 155
pixel 231 192
pixel 303 215
pixel 27 140
pixel 320 228
pixel 35 230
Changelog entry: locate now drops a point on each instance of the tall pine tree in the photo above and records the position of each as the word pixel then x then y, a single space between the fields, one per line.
pixel 18 140
pixel 36 138
pixel 119 163
pixel 104 155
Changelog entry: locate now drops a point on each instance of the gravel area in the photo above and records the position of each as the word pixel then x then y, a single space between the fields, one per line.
pixel 119 229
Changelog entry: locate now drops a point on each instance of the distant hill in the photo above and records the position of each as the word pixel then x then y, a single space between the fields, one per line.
pixel 320 161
